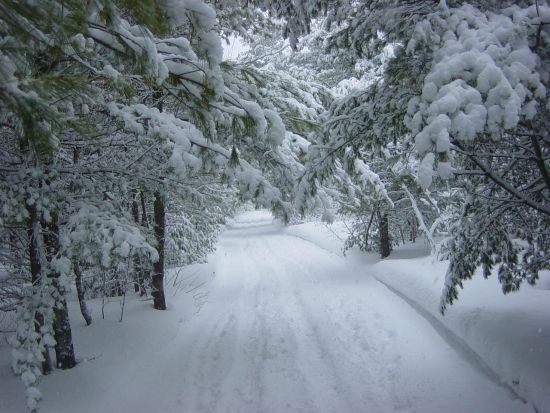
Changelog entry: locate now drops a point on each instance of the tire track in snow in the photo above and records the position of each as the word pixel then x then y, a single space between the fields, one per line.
pixel 212 357
pixel 335 361
pixel 205 375
pixel 301 353
pixel 278 337
pixel 258 322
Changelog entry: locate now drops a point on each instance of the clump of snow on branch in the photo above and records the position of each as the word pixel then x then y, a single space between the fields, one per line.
pixel 484 78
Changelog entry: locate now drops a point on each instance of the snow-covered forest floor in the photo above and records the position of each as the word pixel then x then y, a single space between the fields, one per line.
pixel 278 320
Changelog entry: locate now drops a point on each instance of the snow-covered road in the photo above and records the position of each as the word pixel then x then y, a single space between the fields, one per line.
pixel 290 327
pixel 287 327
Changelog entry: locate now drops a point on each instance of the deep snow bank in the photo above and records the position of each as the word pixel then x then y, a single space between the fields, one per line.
pixel 510 333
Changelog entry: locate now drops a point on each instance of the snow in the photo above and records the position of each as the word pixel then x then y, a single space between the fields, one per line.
pixel 111 72
pixel 277 131
pixel 256 114
pixel 484 77
pixel 508 335
pixel 234 48
pixel 203 17
pixel 368 178
pixel 425 170
pixel 502 330
pixel 278 320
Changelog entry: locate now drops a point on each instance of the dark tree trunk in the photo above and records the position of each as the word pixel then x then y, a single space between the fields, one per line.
pixel 36 268
pixel 385 242
pixel 64 351
pixel 159 301
pixel 412 224
pixel 80 292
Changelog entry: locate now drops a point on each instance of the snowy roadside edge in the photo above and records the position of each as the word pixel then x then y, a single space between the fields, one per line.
pixel 508 335
pixel 504 331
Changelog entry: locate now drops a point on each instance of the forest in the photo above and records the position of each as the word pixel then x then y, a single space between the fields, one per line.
pixel 133 146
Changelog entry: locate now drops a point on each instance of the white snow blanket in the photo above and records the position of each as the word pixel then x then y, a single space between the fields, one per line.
pixel 278 322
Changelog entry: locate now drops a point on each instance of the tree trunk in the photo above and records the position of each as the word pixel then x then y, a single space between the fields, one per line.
pixel 64 351
pixel 385 242
pixel 36 269
pixel 412 226
pixel 159 301
pixel 80 292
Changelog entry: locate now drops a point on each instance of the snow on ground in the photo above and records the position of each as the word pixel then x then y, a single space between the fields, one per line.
pixel 511 333
pixel 509 336
pixel 272 323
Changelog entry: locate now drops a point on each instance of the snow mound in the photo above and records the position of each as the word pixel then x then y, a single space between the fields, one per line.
pixel 510 333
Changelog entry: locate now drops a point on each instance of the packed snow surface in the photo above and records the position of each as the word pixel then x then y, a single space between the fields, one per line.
pixel 272 323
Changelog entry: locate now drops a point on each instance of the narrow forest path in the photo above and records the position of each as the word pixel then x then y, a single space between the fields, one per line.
pixel 287 327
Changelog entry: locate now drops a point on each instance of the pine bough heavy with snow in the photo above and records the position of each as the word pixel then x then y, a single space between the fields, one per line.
pixel 118 119
pixel 127 140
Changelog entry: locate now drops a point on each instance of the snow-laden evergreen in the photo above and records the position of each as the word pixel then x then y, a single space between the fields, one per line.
pixel 128 143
